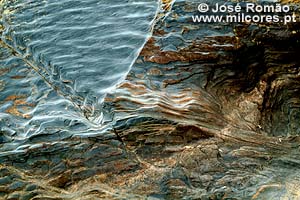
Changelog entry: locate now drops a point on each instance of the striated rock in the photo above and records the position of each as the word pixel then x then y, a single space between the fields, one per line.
pixel 233 91
pixel 208 111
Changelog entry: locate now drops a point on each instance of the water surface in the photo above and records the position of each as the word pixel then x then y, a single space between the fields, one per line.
pixel 58 60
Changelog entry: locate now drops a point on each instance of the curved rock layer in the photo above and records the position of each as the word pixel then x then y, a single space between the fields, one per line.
pixel 208 111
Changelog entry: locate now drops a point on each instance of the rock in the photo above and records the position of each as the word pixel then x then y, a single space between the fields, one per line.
pixel 208 111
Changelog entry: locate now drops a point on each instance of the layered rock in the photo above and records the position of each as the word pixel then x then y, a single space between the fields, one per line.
pixel 208 111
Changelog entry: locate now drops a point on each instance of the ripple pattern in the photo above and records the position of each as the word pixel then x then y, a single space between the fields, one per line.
pixel 60 58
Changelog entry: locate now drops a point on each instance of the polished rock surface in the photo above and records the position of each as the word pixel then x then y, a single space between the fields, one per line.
pixel 208 111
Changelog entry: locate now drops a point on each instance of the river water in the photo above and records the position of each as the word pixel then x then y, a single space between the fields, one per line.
pixel 58 60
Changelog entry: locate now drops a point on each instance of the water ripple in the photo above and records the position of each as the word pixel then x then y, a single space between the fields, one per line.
pixel 59 59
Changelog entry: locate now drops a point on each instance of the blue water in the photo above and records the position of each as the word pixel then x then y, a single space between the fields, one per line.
pixel 58 60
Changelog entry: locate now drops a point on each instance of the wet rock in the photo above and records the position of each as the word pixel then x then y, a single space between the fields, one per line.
pixel 29 195
pixel 17 185
pixel 31 187
pixel 14 196
pixel 5 180
pixel 208 111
